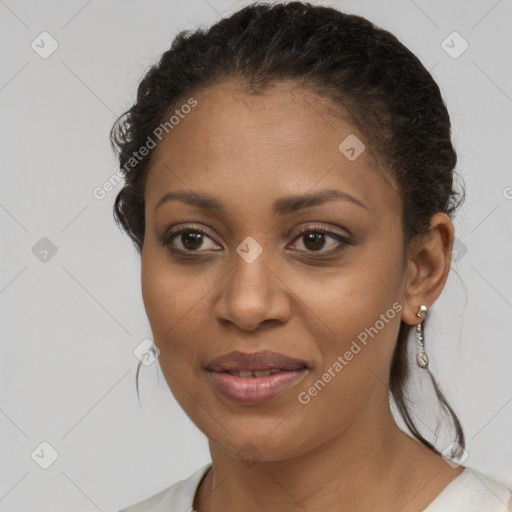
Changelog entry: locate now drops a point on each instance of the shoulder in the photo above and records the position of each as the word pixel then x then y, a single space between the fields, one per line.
pixel 473 491
pixel 178 497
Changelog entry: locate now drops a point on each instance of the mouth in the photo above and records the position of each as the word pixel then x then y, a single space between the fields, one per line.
pixel 250 379
pixel 254 373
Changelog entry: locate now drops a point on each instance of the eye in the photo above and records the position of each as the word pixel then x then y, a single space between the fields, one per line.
pixel 315 238
pixel 191 239
pixel 187 239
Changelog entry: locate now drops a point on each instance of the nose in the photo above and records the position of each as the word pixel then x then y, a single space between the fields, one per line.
pixel 252 293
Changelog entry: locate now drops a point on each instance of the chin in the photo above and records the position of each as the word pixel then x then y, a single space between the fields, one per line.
pixel 269 440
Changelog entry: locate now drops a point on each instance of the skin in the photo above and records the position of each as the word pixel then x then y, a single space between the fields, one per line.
pixel 341 451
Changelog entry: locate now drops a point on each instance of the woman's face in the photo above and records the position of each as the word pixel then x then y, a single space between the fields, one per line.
pixel 243 281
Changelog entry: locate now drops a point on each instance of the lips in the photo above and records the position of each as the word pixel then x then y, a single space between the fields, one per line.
pixel 253 378
pixel 257 361
pixel 254 373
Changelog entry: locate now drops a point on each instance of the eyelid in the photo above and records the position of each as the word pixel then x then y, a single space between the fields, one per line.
pixel 170 233
pixel 321 227
pixel 342 239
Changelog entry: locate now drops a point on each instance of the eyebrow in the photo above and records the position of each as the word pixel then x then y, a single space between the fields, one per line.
pixel 282 206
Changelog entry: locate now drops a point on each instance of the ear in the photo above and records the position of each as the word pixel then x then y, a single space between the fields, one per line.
pixel 428 265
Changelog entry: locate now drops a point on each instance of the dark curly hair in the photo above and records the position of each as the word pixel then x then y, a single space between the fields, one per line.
pixel 373 80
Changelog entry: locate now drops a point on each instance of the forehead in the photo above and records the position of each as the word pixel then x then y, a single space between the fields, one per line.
pixel 286 139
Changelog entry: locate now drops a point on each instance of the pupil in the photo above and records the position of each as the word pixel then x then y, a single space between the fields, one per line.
pixel 186 238
pixel 315 241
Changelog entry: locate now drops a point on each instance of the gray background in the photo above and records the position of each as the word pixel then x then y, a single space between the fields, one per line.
pixel 70 323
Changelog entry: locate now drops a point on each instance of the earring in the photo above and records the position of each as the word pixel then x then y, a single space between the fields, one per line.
pixel 421 356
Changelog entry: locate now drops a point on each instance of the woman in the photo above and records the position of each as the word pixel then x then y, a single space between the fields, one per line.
pixel 289 186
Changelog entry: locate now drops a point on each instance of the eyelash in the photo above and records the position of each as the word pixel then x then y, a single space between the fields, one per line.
pixel 167 239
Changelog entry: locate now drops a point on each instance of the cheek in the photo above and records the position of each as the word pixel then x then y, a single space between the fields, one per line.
pixel 176 304
pixel 349 300
pixel 168 302
pixel 354 313
pixel 170 294
pixel 354 361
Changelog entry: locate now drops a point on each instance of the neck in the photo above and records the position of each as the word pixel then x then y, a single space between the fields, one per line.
pixel 365 468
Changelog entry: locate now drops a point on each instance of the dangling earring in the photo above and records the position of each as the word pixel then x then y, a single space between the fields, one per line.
pixel 421 356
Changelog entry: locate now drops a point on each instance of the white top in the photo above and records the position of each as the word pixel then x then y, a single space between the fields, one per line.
pixel 471 491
